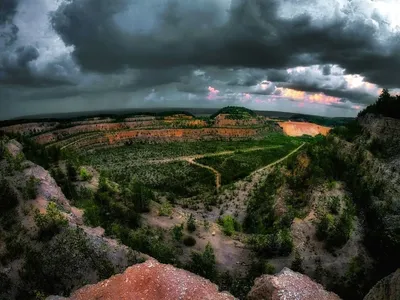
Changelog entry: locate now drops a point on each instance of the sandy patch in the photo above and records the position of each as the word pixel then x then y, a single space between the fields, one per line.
pixel 301 128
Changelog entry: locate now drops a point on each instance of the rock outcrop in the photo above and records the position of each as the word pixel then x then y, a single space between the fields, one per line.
pixel 386 289
pixel 151 281
pixel 288 285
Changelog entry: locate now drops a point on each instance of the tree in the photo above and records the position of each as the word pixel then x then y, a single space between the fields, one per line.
pixel 297 263
pixel 177 232
pixel 51 222
pixel 8 197
pixel 204 264
pixel 191 225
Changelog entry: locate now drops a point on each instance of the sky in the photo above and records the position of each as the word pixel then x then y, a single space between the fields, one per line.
pixel 323 57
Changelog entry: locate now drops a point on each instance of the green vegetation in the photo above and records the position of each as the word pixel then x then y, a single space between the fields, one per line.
pixel 387 105
pixel 204 264
pixel 177 232
pixel 229 225
pixel 297 263
pixel 140 152
pixel 179 179
pixel 31 188
pixel 241 164
pixel 165 209
pixel 51 222
pixel 8 197
pixel 235 113
pixel 58 266
pixel 260 218
pixel 334 227
pixel 191 224
pixel 83 174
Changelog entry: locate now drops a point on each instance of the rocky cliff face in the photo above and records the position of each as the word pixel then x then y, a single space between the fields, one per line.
pixel 386 289
pixel 384 134
pixel 151 281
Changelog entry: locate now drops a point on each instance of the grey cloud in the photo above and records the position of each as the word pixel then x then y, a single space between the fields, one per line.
pixel 253 35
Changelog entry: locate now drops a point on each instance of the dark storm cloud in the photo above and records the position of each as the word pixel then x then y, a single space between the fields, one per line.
pixel 251 35
pixel 7 10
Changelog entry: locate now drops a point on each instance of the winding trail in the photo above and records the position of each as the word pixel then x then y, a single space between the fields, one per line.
pixel 278 161
pixel 192 160
pixel 217 174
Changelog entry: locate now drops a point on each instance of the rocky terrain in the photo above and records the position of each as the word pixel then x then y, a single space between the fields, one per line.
pixel 300 128
pixel 386 289
pixel 288 285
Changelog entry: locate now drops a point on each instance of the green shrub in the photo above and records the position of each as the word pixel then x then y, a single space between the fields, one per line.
pixel 204 264
pixel 31 188
pixel 297 263
pixel 8 197
pixel 269 269
pixel 51 222
pixel 84 174
pixel 177 232
pixel 229 225
pixel 334 205
pixel 151 241
pixel 189 241
pixel 191 224
pixel 279 243
pixel 165 209
pixel 336 231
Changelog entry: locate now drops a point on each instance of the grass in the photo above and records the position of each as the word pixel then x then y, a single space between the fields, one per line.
pixel 241 164
pixel 179 178
pixel 145 151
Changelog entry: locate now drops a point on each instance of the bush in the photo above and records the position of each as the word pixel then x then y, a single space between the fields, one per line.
pixel 191 224
pixel 189 241
pixel 204 264
pixel 177 232
pixel 229 225
pixel 151 241
pixel 165 209
pixel 297 263
pixel 270 245
pixel 8 197
pixel 51 222
pixel 31 188
pixel 336 231
pixel 84 174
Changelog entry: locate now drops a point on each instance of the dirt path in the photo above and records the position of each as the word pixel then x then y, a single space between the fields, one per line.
pixel 191 159
pixel 234 200
pixel 279 160
pixel 217 174
pixel 198 156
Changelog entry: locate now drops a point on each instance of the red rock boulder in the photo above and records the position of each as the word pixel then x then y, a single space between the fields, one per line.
pixel 152 281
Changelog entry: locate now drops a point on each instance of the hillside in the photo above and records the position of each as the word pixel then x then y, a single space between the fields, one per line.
pixel 235 113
